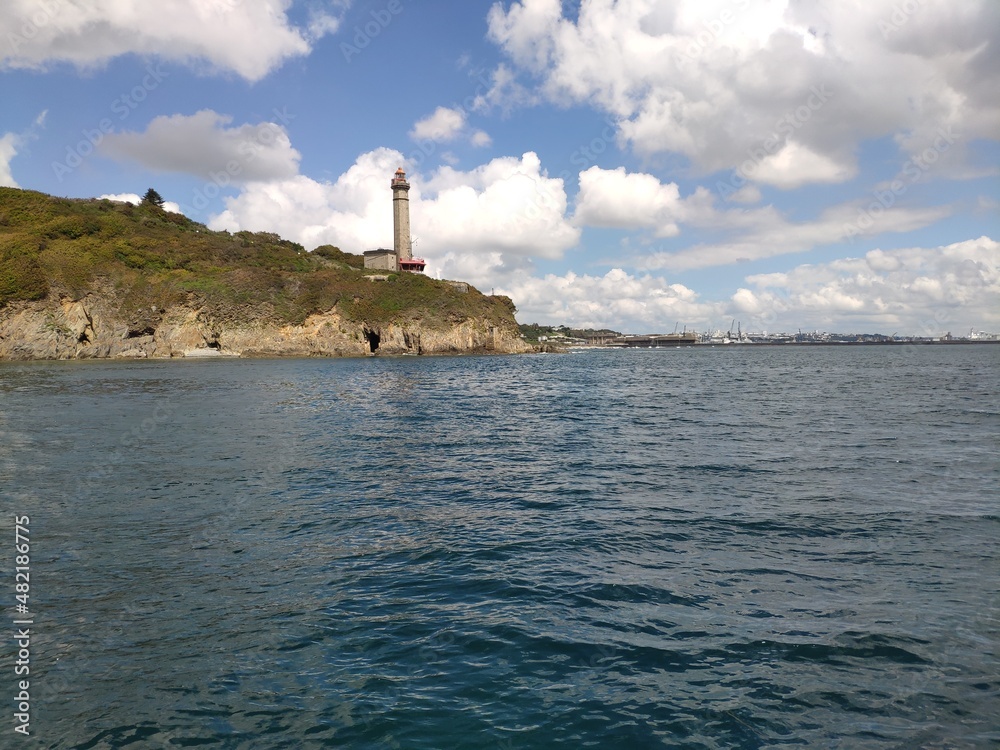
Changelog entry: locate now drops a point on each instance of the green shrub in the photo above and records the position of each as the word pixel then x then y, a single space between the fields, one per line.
pixel 21 276
pixel 73 227
pixel 153 258
pixel 330 252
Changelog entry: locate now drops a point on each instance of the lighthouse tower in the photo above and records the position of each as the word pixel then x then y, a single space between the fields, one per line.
pixel 401 215
pixel 401 224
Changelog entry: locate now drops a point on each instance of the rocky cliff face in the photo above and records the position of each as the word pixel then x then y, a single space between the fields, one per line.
pixel 92 328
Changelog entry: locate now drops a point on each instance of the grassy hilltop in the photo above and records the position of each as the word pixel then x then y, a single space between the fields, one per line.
pixel 144 258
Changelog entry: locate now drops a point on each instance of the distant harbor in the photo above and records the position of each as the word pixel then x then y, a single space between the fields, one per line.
pixel 588 338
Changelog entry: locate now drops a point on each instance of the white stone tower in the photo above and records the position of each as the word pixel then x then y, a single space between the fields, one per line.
pixel 401 216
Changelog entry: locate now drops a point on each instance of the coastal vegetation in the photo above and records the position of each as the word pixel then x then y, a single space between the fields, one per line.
pixel 534 333
pixel 145 259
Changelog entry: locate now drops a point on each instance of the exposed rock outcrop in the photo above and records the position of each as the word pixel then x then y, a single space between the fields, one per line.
pixel 92 328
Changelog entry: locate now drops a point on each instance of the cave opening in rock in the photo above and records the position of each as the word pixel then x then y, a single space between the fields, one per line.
pixel 373 340
pixel 83 338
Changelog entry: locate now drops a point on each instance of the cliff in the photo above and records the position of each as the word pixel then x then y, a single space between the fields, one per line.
pixel 93 327
pixel 86 279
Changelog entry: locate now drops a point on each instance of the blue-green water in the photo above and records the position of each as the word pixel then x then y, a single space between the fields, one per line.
pixel 691 548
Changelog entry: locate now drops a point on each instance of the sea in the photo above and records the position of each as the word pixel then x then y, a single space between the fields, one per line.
pixel 701 548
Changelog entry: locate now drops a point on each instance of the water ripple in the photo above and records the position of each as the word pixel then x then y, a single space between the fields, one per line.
pixel 687 549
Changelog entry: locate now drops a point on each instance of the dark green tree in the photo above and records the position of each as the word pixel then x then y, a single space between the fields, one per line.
pixel 153 197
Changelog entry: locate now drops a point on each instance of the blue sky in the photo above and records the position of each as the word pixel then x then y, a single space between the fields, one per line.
pixel 632 164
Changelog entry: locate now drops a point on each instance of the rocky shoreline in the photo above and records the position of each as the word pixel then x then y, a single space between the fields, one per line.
pixel 91 328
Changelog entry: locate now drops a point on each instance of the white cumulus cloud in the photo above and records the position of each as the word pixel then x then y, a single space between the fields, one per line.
pixel 447 124
pixel 202 145
pixel 912 291
pixel 615 198
pixel 473 224
pixel 794 87
pixel 795 165
pixel 617 300
pixel 442 126
pixel 638 201
pixel 248 38
pixel 508 205
pixel 481 139
pixel 8 150
pixel 12 143
pixel 915 291
pixel 763 232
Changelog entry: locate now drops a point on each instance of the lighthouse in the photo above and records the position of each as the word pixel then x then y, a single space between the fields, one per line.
pixel 401 224
pixel 400 258
pixel 401 215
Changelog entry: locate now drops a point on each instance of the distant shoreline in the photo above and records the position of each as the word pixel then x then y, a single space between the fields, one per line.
pixel 700 344
pixel 850 343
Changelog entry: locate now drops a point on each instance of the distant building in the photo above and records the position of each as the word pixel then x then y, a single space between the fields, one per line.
pixel 381 259
pixel 400 258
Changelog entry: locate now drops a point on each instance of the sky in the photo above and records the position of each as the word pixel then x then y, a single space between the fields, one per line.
pixel 642 165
